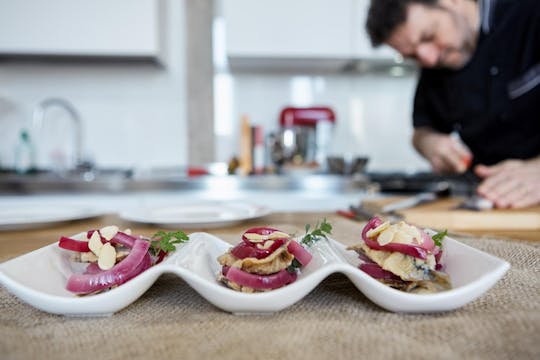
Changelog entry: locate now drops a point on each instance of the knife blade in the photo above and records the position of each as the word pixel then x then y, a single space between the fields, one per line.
pixel 473 201
pixel 415 200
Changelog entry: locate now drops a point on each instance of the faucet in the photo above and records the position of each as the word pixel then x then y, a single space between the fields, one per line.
pixel 39 115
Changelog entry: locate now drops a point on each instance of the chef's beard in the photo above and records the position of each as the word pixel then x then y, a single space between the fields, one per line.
pixel 459 56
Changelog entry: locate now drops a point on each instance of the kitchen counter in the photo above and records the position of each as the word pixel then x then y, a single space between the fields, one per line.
pixel 172 321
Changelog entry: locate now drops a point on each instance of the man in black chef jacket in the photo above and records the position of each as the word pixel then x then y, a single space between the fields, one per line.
pixel 478 96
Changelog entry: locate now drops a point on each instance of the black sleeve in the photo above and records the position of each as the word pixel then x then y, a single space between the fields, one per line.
pixel 421 113
pixel 431 101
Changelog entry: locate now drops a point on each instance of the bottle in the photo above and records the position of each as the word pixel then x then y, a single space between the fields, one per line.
pixel 24 154
pixel 246 144
pixel 258 150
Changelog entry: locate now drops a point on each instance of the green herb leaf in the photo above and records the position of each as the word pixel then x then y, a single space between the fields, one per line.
pixel 294 266
pixel 165 241
pixel 438 237
pixel 319 232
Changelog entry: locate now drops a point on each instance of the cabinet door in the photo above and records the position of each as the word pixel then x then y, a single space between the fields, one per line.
pixel 362 48
pixel 289 28
pixel 80 27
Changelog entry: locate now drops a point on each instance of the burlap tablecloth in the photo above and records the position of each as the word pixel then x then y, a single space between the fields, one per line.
pixel 335 321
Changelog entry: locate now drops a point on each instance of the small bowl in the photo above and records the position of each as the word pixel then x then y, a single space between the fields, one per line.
pixel 339 165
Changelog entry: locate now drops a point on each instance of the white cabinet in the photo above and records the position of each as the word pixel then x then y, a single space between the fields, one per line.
pixel 80 27
pixel 288 28
pixel 296 29
pixel 362 48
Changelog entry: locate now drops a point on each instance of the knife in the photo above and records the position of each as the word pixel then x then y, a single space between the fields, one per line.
pixel 415 200
pixel 473 201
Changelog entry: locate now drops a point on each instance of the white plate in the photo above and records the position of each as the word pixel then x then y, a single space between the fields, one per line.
pixel 28 216
pixel 471 271
pixel 196 215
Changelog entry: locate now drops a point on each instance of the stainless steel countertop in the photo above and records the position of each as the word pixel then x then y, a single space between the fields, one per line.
pixel 121 181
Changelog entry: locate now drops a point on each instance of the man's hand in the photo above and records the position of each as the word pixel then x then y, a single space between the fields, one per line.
pixel 445 153
pixel 511 183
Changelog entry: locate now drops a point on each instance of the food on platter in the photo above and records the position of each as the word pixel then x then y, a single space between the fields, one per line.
pixel 402 256
pixel 267 258
pixel 110 257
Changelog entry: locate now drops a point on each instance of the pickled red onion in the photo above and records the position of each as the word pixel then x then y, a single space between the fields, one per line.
pixel 119 274
pixel 377 272
pixel 74 245
pixel 123 239
pixel 259 231
pixel 419 251
pixel 244 250
pixel 260 282
pixel 302 255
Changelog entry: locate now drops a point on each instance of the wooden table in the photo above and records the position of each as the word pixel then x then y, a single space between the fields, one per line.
pixel 14 243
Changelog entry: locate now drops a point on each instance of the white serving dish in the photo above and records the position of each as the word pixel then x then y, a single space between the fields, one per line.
pixel 39 278
pixel 35 215
pixel 209 214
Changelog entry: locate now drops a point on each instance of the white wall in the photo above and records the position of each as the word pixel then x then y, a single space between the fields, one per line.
pixel 133 114
pixel 373 112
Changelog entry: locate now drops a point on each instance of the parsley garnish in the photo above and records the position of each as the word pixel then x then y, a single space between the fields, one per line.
pixel 320 231
pixel 294 265
pixel 438 237
pixel 164 241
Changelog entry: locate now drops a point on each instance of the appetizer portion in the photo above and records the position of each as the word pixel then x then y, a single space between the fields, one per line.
pixel 265 259
pixel 110 257
pixel 402 256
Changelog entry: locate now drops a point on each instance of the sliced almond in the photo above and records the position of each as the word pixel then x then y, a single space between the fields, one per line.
pixel 403 237
pixel 373 232
pixel 266 245
pixel 386 237
pixel 107 257
pixel 95 243
pixel 88 257
pixel 278 235
pixel 108 232
pixel 409 229
pixel 254 237
pixel 121 255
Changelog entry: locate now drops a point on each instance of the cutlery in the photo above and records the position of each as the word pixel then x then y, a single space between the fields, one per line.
pixel 473 201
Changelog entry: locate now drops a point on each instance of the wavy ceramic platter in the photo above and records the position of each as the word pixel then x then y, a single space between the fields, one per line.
pixel 39 278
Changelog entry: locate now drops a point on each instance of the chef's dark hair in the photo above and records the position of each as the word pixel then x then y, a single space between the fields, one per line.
pixel 384 16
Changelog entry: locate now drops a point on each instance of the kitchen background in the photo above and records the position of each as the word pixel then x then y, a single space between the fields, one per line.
pixel 164 83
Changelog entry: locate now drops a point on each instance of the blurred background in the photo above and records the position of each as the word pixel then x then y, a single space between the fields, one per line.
pixel 164 84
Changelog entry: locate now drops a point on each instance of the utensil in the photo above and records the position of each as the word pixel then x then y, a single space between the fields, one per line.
pixel 473 201
pixel 366 212
pixel 409 202
pixel 476 203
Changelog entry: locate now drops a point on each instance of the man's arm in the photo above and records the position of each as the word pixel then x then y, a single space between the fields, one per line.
pixel 511 183
pixel 444 152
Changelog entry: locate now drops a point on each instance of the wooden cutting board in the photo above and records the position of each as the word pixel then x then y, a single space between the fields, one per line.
pixel 442 214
